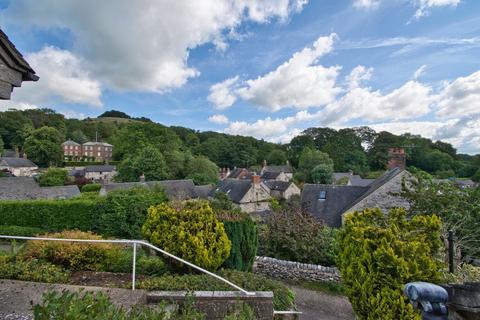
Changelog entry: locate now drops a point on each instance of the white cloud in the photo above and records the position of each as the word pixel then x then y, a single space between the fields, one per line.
pixel 460 97
pixel 269 129
pixel 299 82
pixel 72 114
pixel 425 5
pixel 406 102
pixel 221 94
pixel 366 4
pixel 357 75
pixel 419 72
pixel 144 45
pixel 9 104
pixel 218 119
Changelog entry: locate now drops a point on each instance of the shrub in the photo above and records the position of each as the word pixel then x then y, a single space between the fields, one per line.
pixel 31 270
pixel 91 187
pixel 19 231
pixel 463 273
pixel 123 212
pixel 51 215
pixel 243 234
pixel 191 232
pixel 283 298
pixel 75 255
pixel 53 177
pixel 380 253
pixel 290 234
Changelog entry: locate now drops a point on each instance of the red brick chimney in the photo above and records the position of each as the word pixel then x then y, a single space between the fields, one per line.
pixel 256 179
pixel 396 158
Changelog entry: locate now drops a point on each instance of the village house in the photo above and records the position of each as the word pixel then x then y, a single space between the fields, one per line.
pixel 96 151
pixel 329 203
pixel 239 173
pixel 350 179
pixel 250 195
pixel 282 189
pixel 26 188
pixel 97 173
pixel 281 173
pixel 13 68
pixel 19 167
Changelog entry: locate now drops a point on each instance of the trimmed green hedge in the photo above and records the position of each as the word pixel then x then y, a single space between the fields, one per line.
pixel 19 231
pixel 92 187
pixel 50 215
pixel 243 234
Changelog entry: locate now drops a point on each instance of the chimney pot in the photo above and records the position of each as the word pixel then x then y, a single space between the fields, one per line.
pixel 255 179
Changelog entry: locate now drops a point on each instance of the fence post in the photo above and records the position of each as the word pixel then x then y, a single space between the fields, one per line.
pixel 134 264
pixel 451 252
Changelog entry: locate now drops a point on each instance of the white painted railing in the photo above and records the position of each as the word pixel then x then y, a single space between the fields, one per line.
pixel 134 245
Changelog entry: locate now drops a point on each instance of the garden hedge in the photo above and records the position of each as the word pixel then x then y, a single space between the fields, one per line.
pixel 50 215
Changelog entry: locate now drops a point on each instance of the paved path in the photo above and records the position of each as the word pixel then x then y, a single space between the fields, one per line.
pixel 317 305
pixel 18 297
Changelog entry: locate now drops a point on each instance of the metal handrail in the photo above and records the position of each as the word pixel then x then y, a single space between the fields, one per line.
pixel 134 245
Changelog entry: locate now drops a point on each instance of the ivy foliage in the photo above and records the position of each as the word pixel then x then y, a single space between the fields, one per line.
pixel 380 253
pixel 190 231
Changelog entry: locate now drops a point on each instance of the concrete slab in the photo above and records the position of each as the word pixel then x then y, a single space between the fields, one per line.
pixel 17 298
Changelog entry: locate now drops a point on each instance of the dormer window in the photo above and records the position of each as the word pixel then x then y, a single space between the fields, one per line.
pixel 322 195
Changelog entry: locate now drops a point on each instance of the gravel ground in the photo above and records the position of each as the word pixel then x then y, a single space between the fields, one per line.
pixel 316 305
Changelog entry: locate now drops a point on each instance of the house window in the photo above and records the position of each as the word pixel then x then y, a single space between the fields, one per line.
pixel 323 195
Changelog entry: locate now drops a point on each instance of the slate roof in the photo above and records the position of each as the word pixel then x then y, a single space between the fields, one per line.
pixel 91 143
pixel 26 188
pixel 70 143
pixel 174 189
pixel 9 153
pixel 100 168
pixel 339 199
pixel 77 173
pixel 19 63
pixel 277 185
pixel 330 209
pixel 283 168
pixel 202 192
pixel 234 188
pixel 239 173
pixel 358 181
pixel 268 175
pixel 17 163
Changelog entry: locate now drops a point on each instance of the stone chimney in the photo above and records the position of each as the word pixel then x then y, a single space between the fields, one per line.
pixel 256 179
pixel 396 158
pixel 264 163
pixel 24 156
pixel 142 178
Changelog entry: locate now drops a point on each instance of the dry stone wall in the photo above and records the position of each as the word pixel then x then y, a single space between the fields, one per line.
pixel 290 270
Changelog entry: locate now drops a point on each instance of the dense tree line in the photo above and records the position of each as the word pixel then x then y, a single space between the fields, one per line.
pixel 181 152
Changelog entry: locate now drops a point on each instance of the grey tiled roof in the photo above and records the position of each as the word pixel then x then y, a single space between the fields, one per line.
pixel 277 185
pixel 70 143
pixel 16 162
pixel 202 192
pixel 100 168
pixel 91 143
pixel 234 188
pixel 330 209
pixel 9 153
pixel 174 189
pixel 284 168
pixel 358 181
pixel 24 188
pixel 270 175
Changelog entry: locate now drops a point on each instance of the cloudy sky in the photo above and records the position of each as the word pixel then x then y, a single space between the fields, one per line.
pixel 264 68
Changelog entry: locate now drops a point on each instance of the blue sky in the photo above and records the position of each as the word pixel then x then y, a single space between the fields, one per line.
pixel 265 68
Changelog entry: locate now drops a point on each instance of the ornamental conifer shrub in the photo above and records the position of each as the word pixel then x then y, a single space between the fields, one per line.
pixel 380 253
pixel 190 231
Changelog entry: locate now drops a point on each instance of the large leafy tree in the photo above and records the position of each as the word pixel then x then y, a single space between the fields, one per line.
pixel 1 145
pixel 53 177
pixel 147 161
pixel 322 173
pixel 296 147
pixel 12 128
pixel 43 146
pixel 309 159
pixel 276 157
pixel 201 170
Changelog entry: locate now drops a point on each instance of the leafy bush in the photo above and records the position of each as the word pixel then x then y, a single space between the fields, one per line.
pixel 31 270
pixel 191 232
pixel 98 306
pixel 123 212
pixel 380 253
pixel 463 273
pixel 50 215
pixel 242 312
pixel 290 234
pixel 91 187
pixel 53 177
pixel 243 234
pixel 75 255
pixel 283 298
pixel 19 231
pixel 146 265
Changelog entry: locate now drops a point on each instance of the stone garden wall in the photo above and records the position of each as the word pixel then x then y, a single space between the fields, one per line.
pixel 290 270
